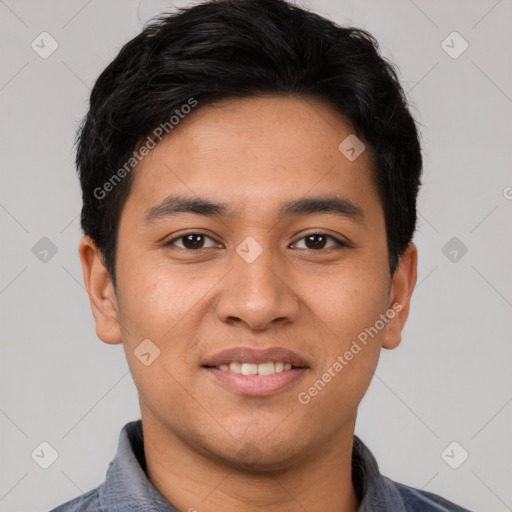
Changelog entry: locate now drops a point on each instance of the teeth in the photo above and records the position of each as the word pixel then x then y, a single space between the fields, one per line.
pixel 235 367
pixel 249 369
pixel 267 368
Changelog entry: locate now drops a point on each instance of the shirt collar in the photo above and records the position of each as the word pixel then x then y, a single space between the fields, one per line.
pixel 127 487
pixel 376 493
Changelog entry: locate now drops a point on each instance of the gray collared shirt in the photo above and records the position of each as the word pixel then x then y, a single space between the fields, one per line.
pixel 127 488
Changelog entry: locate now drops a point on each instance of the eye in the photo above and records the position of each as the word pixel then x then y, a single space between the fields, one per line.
pixel 198 241
pixel 318 241
pixel 191 241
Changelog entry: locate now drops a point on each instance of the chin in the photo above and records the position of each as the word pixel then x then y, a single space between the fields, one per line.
pixel 254 457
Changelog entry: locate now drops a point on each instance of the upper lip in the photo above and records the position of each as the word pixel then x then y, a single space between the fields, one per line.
pixel 255 356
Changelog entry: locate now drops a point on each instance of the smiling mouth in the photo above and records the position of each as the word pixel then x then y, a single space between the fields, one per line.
pixel 260 372
pixel 267 368
pixel 256 380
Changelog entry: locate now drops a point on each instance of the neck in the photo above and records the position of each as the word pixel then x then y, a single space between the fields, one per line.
pixel 193 481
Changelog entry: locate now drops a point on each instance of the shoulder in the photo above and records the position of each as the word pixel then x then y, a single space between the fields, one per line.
pixel 88 502
pixel 416 500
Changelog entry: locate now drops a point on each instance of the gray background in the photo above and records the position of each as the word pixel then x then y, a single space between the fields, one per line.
pixel 450 378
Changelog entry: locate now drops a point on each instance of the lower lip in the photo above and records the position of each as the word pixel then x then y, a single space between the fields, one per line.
pixel 256 385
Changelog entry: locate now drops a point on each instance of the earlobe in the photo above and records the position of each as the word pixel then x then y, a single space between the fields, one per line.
pixel 403 283
pixel 100 291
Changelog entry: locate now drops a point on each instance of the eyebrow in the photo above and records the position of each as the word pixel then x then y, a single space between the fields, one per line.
pixel 177 204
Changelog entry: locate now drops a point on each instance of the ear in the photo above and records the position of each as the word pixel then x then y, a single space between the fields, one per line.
pixel 402 286
pixel 101 292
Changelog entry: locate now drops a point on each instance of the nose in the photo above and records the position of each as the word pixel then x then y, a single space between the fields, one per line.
pixel 257 295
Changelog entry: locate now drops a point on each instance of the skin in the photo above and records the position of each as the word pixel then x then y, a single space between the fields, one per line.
pixel 208 447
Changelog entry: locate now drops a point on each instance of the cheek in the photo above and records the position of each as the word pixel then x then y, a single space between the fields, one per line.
pixel 347 307
pixel 351 352
pixel 347 300
pixel 153 297
pixel 165 305
pixel 156 304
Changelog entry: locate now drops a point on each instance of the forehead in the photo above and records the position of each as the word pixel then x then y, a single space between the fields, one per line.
pixel 255 152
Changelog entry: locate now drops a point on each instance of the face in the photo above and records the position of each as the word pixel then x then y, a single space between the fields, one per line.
pixel 276 241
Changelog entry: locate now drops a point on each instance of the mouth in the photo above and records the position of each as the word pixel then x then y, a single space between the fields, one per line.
pixel 267 368
pixel 251 372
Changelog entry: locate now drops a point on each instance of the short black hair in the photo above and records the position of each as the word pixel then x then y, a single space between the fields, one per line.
pixel 221 49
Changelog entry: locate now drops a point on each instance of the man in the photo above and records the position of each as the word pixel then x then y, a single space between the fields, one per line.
pixel 249 174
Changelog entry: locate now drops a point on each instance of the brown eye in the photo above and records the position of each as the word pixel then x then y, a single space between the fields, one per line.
pixel 315 241
pixel 318 241
pixel 191 241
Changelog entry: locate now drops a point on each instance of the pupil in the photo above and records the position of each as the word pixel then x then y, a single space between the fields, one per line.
pixel 193 241
pixel 315 242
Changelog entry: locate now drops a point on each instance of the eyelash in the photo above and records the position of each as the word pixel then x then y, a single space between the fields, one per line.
pixel 340 244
